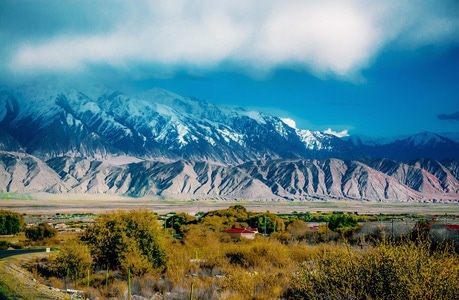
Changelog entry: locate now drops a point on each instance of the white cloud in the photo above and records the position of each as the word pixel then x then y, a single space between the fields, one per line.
pixel 289 122
pixel 330 37
pixel 339 134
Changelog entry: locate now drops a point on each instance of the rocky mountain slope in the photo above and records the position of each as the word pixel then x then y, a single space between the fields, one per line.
pixel 159 144
pixel 299 179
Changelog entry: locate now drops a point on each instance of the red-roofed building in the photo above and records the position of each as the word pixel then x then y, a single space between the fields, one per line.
pixel 452 227
pixel 237 233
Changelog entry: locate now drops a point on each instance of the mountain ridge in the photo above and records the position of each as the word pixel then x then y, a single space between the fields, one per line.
pixel 380 180
pixel 64 140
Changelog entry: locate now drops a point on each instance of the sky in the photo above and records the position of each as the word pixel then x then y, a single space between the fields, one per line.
pixel 377 68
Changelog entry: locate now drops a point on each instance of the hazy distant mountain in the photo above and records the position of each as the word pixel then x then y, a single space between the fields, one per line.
pixel 451 135
pixel 422 145
pixel 66 140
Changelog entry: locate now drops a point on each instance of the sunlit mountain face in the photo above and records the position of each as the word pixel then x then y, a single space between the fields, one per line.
pixel 62 139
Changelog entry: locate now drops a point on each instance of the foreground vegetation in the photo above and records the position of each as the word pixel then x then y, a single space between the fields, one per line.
pixel 131 253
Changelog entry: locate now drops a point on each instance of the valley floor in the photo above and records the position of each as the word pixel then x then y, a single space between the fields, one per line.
pixel 86 204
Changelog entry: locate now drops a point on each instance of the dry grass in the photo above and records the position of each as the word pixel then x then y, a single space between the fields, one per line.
pixel 17 283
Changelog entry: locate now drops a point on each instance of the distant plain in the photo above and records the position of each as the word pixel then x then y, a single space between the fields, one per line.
pixel 51 204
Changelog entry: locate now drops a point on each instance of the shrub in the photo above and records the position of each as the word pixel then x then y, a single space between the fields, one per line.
pixel 260 253
pixel 406 271
pixel 4 245
pixel 40 232
pixel 17 245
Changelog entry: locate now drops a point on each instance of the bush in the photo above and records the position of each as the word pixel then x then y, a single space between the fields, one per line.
pixel 4 245
pixel 17 246
pixel 40 232
pixel 406 271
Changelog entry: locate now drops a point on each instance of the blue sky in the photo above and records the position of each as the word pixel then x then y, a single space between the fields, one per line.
pixel 379 68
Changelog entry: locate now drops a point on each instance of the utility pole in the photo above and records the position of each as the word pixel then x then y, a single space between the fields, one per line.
pixel 446 222
pixel 265 225
pixel 129 283
pixel 191 291
pixel 392 227
pixel 106 280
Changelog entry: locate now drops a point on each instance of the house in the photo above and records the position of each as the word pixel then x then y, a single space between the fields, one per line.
pixel 237 233
pixel 452 227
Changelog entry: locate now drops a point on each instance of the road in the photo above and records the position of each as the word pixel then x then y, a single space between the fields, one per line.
pixel 7 253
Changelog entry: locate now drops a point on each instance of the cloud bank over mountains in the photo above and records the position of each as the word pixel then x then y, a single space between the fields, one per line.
pixel 449 117
pixel 327 38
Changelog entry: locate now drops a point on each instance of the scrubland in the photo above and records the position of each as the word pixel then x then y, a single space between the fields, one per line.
pixel 132 253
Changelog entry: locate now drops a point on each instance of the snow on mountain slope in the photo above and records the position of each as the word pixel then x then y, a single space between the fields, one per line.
pixel 158 143
pixel 422 145
pixel 362 140
pixel 156 123
pixel 451 135
pixel 49 121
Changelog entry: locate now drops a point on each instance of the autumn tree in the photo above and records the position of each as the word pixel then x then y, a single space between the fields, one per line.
pixel 219 220
pixel 127 240
pixel 74 259
pixel 299 230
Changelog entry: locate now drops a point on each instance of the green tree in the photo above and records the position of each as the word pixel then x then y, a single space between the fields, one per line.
pixel 341 223
pixel 11 222
pixel 178 221
pixel 270 221
pixel 74 258
pixel 127 240
pixel 40 232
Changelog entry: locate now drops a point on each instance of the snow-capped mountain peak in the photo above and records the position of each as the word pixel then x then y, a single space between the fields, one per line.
pixel 425 139
pixel 50 120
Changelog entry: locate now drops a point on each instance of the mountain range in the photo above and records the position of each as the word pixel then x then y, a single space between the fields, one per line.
pixel 156 143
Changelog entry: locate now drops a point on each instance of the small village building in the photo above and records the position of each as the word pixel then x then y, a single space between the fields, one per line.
pixel 238 233
pixel 60 226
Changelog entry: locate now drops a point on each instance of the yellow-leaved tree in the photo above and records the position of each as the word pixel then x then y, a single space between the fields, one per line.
pixel 127 240
pixel 74 259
